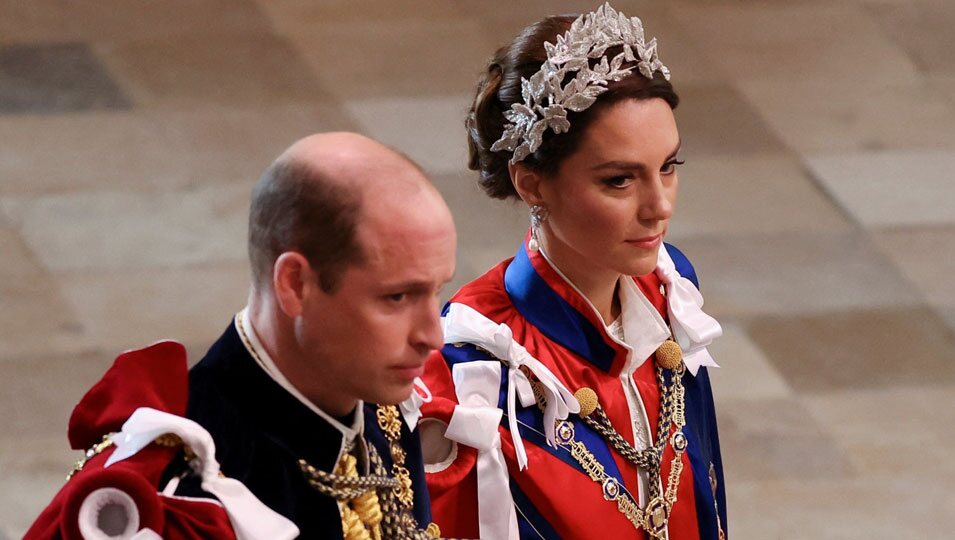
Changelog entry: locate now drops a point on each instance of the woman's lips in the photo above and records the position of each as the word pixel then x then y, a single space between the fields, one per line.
pixel 647 242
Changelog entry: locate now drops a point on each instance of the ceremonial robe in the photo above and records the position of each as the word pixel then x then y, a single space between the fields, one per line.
pixel 530 302
pixel 131 422
pixel 262 431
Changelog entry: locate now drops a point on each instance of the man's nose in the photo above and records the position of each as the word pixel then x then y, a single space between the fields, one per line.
pixel 428 333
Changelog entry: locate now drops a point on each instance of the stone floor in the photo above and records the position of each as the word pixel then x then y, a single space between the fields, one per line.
pixel 818 204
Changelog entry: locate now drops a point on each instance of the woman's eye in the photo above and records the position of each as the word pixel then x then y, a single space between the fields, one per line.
pixel 618 181
pixel 670 166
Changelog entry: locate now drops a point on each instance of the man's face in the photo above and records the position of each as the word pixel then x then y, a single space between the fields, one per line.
pixel 368 338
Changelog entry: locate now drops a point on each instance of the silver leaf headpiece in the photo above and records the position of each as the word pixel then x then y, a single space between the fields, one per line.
pixel 546 100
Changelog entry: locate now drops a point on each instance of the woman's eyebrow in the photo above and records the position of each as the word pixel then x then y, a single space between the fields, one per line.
pixel 635 165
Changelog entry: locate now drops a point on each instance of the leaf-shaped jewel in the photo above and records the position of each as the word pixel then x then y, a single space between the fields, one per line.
pixel 579 102
pixel 603 67
pixel 550 48
pixel 553 111
pixel 547 100
pixel 536 84
pixel 520 114
pixel 571 88
pixel 617 62
pixel 553 89
pixel 628 53
pixel 626 27
pixel 536 134
pixel 556 117
pixel 526 92
pixel 559 124
pixel 593 91
pixel 508 140
pixel 651 49
pixel 575 64
pixel 521 152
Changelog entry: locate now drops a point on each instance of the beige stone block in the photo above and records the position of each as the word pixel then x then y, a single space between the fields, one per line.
pixel 35 318
pixel 872 507
pixel 365 59
pixel 924 254
pixel 922 29
pixel 714 119
pixel 34 468
pixel 760 194
pixel 134 308
pixel 153 150
pixel 842 115
pixel 194 71
pixel 802 40
pixel 875 348
pixel 117 20
pixel 429 129
pixel 891 431
pixel 42 20
pixel 111 231
pixel 891 189
pixel 795 273
pixel 745 374
pixel 303 16
pixel 772 439
pixel 489 230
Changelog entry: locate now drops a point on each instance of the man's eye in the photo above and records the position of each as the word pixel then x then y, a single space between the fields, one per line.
pixel 670 166
pixel 396 297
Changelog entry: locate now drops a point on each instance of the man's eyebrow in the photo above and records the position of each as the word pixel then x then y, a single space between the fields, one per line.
pixel 635 165
pixel 412 285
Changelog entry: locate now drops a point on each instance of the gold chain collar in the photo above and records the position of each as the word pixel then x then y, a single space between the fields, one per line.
pixel 654 517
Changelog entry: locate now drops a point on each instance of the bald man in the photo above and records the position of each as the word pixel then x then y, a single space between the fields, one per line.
pixel 350 245
pixel 311 394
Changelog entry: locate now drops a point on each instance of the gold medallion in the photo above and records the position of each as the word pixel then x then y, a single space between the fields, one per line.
pixel 657 515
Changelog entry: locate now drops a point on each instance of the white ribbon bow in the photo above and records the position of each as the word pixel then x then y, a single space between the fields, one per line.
pixel 693 329
pixel 411 407
pixel 464 324
pixel 475 423
pixel 250 518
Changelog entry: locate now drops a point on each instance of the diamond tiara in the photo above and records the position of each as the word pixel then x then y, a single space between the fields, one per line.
pixel 547 101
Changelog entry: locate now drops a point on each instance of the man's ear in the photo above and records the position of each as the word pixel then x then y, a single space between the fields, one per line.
pixel 293 281
pixel 527 183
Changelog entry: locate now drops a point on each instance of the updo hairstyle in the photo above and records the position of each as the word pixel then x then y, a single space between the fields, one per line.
pixel 501 86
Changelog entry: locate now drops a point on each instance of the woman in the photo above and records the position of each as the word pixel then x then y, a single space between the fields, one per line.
pixel 572 397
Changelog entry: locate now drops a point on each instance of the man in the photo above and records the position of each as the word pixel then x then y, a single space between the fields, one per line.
pixel 349 245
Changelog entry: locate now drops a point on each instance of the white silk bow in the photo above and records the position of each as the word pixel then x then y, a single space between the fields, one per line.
pixel 464 324
pixel 475 423
pixel 693 329
pixel 250 518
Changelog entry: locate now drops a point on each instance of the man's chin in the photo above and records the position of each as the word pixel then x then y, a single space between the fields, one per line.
pixel 393 396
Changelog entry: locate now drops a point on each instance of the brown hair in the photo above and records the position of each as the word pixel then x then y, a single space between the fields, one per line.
pixel 500 87
pixel 295 209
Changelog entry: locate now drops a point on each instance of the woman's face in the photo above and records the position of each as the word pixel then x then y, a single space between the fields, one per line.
pixel 611 201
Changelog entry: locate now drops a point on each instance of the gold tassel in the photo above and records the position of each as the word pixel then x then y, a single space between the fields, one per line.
pixel 365 511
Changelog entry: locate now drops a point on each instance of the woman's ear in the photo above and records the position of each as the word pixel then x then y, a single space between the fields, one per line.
pixel 527 183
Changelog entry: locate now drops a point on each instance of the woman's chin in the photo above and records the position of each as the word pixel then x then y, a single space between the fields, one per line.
pixel 640 266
